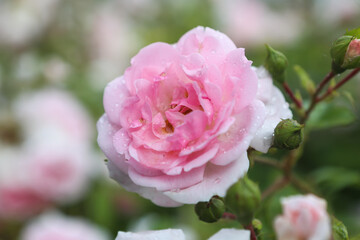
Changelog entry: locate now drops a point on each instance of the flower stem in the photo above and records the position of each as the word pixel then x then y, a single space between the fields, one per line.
pixel 301 185
pixel 338 85
pixel 288 90
pixel 252 231
pixel 227 215
pixel 267 161
pixel 277 185
pixel 314 101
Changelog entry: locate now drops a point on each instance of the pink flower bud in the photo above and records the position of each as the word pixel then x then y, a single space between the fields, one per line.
pixel 353 50
pixel 304 217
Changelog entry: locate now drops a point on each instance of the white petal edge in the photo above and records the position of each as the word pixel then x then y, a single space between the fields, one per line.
pixel 167 234
pixel 231 234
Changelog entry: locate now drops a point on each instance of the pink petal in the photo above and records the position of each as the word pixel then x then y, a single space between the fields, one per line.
pixel 243 78
pixel 167 183
pixel 105 140
pixel 216 181
pixel 114 96
pixel 149 193
pixel 150 63
pixel 236 140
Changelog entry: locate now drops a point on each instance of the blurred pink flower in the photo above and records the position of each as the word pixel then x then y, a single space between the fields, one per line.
pixel 23 20
pixel 333 12
pixel 178 123
pixel 112 40
pixel 304 217
pixel 252 22
pixel 52 162
pixel 177 234
pixel 53 226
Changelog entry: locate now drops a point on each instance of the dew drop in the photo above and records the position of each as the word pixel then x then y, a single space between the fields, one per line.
pixel 217 180
pixel 176 190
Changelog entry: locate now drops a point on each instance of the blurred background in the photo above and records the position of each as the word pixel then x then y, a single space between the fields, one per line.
pixel 56 57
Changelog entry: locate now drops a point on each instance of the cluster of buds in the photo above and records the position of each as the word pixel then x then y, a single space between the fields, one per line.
pixel 345 52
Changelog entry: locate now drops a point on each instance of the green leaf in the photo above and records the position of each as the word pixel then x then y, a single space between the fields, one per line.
pixel 333 179
pixel 327 115
pixel 348 96
pixel 339 230
pixel 305 79
pixel 354 32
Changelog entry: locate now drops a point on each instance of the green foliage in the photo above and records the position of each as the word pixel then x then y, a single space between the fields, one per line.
pixel 305 79
pixel 334 179
pixel 354 32
pixel 339 231
pixel 327 115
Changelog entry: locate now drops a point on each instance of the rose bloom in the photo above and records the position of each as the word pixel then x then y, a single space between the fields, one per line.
pixel 53 226
pixel 51 162
pixel 178 123
pixel 304 217
pixel 177 234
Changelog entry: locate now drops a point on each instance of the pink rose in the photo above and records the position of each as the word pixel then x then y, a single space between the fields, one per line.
pixel 177 234
pixel 304 217
pixel 53 226
pixel 178 123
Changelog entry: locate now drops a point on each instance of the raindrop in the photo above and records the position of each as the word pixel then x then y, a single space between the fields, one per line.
pixel 217 180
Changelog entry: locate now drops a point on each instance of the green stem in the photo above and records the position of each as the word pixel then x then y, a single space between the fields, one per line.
pixel 267 161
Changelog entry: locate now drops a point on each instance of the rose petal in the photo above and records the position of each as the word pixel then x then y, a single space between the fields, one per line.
pixel 216 181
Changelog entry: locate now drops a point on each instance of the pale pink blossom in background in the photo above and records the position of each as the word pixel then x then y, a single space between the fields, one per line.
pixel 112 40
pixel 334 12
pixel 52 162
pixel 18 198
pixel 55 69
pixel 304 218
pixel 22 21
pixel 178 124
pixel 54 226
pixel 177 234
pixel 253 23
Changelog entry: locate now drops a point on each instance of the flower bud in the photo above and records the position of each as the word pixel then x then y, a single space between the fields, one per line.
pixel 345 51
pixel 338 51
pixel 288 134
pixel 276 63
pixel 210 211
pixel 352 56
pixel 243 199
pixel 339 231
